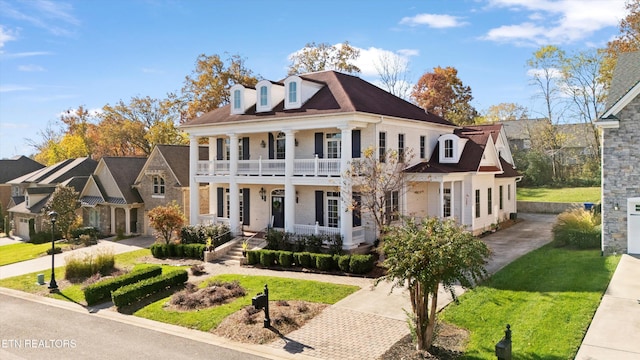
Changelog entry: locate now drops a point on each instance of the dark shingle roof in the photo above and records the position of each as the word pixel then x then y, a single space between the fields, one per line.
pixel 342 93
pixel 16 167
pixel 125 170
pixel 59 172
pixel 626 75
pixel 177 157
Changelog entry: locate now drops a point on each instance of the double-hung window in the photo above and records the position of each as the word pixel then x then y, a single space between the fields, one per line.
pixel 334 143
pixel 489 201
pixel 382 146
pixel 448 148
pixel 401 147
pixel 446 202
pixel 158 185
pixel 423 149
pixel 293 92
pixel 477 203
pixel 237 100
pixel 392 206
pixel 333 209
pixel 263 96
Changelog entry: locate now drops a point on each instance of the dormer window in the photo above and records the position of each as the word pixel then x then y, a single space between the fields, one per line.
pixel 448 148
pixel 451 147
pixel 293 91
pixel 237 100
pixel 264 99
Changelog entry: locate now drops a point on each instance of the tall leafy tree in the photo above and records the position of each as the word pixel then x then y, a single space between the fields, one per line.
pixel 134 128
pixel 505 112
pixel 627 41
pixel 424 255
pixel 323 56
pixel 207 88
pixel 64 201
pixel 545 71
pixel 441 92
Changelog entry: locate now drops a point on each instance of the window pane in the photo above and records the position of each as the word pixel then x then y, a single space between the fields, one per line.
pixel 446 206
pixel 236 99
pixel 293 92
pixel 263 96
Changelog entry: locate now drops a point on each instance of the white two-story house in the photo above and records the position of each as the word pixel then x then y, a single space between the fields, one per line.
pixel 279 154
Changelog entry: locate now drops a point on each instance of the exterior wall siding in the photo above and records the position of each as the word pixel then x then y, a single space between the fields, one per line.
pixel 620 176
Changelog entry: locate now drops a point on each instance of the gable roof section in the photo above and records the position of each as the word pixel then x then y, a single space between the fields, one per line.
pixel 471 158
pixel 16 167
pixel 124 171
pixel 177 159
pixel 625 84
pixel 342 93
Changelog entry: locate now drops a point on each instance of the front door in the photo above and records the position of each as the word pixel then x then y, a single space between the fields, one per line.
pixel 277 211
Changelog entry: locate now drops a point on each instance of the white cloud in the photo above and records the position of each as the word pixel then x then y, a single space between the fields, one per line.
pixel 370 57
pixel 438 21
pixel 54 16
pixel 5 36
pixel 553 73
pixel 30 68
pixel 556 22
pixel 25 54
pixel 13 88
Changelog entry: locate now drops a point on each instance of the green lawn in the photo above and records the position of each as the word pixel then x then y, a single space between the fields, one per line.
pixel 582 194
pixel 279 289
pixel 548 297
pixel 14 253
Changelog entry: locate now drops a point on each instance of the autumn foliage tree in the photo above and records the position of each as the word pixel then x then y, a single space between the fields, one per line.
pixel 441 92
pixel 318 57
pixel 64 201
pixel 424 255
pixel 166 220
pixel 627 41
pixel 207 88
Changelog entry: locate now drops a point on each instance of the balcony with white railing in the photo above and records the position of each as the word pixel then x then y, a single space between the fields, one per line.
pixel 270 167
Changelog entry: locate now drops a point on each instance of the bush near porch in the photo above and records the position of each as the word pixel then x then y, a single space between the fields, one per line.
pixel 279 240
pixel 355 264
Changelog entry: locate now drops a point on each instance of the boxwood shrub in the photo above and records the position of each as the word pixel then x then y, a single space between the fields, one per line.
pixel 253 257
pixel 101 291
pixel 361 264
pixel 132 293
pixel 192 251
pixel 324 262
pixel 285 258
pixel 357 264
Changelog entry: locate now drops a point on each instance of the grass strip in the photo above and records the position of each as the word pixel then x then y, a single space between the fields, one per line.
pixel 563 195
pixel 14 253
pixel 548 296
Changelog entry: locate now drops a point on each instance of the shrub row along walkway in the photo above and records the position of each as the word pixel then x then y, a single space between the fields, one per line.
pixel 363 325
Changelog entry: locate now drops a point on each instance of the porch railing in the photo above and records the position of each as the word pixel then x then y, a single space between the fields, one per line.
pixel 270 167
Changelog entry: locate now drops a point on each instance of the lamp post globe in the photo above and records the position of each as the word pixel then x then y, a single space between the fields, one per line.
pixel 53 216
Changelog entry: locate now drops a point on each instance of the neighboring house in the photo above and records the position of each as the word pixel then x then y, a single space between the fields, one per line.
pixel 620 124
pixel 34 189
pixel 11 169
pixel 579 140
pixel 278 153
pixel 109 202
pixel 164 178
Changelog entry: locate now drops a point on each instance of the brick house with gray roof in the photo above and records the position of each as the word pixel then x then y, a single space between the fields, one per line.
pixel 620 124
pixel 11 169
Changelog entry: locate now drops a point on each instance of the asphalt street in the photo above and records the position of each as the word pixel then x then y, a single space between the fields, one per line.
pixel 31 330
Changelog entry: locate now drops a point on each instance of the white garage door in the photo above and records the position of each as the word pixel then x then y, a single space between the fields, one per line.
pixel 22 228
pixel 633 225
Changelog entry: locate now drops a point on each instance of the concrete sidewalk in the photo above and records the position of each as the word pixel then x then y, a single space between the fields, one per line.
pixel 613 333
pixel 363 325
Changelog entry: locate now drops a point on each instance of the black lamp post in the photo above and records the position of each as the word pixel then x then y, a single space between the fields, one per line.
pixel 53 216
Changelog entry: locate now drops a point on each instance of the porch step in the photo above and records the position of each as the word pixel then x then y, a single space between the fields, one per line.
pixel 235 253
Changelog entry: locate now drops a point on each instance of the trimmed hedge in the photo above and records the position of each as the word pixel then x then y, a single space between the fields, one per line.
pixel 101 291
pixel 191 251
pixel 361 264
pixel 356 264
pixel 132 293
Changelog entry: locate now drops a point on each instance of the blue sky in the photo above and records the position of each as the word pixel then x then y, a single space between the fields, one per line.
pixel 58 55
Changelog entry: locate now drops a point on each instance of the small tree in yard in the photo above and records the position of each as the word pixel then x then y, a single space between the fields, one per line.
pixel 165 220
pixel 64 201
pixel 424 255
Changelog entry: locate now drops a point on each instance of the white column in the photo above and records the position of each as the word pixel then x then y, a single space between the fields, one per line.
pixel 113 220
pixel 212 186
pixel 453 199
pixel 289 189
pixel 234 190
pixel 441 198
pixel 194 196
pixel 346 191
pixel 127 221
